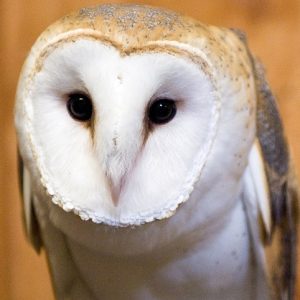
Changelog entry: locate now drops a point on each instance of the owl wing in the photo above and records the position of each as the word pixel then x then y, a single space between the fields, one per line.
pixel 29 217
pixel 271 195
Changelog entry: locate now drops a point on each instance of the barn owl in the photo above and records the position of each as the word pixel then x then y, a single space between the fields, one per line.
pixel 153 161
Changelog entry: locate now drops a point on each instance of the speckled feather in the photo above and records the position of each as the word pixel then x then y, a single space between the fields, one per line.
pixel 131 27
pixel 283 188
pixel 284 200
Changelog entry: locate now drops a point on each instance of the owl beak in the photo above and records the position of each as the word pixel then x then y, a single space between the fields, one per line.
pixel 115 191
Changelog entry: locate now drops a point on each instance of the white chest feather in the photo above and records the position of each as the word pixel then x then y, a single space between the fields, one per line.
pixel 218 267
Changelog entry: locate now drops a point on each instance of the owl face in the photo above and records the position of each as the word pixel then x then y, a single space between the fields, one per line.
pixel 121 130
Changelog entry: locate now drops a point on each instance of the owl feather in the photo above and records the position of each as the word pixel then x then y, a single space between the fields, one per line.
pixel 184 185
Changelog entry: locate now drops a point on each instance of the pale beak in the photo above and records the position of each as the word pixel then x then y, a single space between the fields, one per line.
pixel 115 190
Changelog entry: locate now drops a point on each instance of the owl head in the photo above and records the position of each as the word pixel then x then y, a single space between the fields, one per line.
pixel 130 114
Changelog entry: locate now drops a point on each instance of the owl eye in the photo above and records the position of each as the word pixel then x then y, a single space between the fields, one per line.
pixel 162 111
pixel 80 107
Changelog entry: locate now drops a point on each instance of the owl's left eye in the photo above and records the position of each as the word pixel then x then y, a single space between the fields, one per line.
pixel 162 111
pixel 80 107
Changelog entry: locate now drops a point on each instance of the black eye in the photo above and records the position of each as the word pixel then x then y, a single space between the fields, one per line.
pixel 80 107
pixel 162 111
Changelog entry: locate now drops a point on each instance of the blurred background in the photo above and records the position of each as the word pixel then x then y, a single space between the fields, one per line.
pixel 273 30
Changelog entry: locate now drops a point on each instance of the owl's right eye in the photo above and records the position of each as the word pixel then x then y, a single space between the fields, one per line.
pixel 80 107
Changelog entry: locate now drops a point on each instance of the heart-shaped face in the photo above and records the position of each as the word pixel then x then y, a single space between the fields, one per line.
pixel 121 138
pixel 119 129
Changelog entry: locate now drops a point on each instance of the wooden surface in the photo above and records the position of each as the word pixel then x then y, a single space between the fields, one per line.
pixel 273 29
